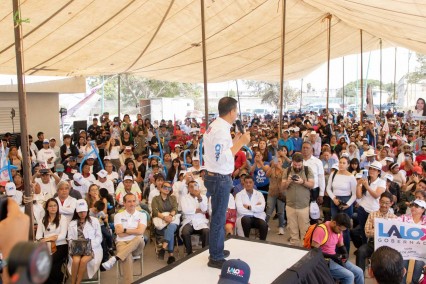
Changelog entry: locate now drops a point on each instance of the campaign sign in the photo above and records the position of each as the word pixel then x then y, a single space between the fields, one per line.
pixel 408 239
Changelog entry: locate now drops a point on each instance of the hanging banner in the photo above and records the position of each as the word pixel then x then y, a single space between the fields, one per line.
pixel 419 112
pixel 369 107
pixel 408 239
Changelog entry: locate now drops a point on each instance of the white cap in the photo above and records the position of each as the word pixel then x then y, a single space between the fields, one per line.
pixel 81 206
pixel 296 129
pixel 389 159
pixel 46 141
pixel 370 153
pixel 102 174
pixel 313 132
pixel 389 177
pixel 92 156
pixel 128 148
pixel 10 189
pixel 107 158
pixel 335 166
pixel 78 177
pixel 344 154
pixel 195 158
pixel 376 165
pixel 420 202
pixel 128 178
pixel 386 145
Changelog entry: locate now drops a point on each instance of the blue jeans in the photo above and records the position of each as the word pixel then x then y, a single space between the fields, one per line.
pixel 349 211
pixel 347 274
pixel 218 189
pixel 270 206
pixel 169 236
pixel 417 272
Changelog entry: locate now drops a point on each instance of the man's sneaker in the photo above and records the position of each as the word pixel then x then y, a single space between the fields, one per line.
pixel 280 231
pixel 216 263
pixel 161 253
pixel 171 259
pixel 226 253
pixel 109 263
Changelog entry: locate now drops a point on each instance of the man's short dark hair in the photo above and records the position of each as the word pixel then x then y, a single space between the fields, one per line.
pixel 99 205
pixel 128 194
pixel 387 265
pixel 343 219
pixel 297 158
pixel 226 105
pixel 388 195
pixel 40 133
pixel 66 136
pixel 248 177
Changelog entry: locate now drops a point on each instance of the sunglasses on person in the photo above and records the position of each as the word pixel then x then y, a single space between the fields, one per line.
pixel 169 188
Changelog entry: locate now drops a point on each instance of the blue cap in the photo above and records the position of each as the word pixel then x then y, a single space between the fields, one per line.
pixel 234 271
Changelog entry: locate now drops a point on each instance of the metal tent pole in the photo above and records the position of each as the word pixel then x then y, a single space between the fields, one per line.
pixel 203 35
pixel 343 86
pixel 328 58
pixel 283 28
pixel 362 81
pixel 380 108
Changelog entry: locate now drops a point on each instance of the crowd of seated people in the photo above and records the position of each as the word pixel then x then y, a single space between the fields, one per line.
pixel 120 177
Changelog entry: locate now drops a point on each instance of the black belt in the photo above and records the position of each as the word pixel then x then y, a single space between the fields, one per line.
pixel 217 174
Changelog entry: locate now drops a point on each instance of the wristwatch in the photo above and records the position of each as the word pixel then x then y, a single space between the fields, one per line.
pixel 125 230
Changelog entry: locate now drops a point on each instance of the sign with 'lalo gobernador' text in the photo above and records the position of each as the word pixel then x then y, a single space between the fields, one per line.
pixel 408 239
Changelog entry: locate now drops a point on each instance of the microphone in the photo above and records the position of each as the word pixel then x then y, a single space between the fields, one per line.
pixel 240 126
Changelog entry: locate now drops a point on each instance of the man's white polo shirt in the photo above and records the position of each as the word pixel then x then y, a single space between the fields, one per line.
pixel 129 222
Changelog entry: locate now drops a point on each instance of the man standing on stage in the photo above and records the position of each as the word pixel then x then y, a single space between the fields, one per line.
pixel 219 152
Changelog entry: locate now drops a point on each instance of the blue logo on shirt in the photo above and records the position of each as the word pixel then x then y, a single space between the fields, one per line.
pixel 217 149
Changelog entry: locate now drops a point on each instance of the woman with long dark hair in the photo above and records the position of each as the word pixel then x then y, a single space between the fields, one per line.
pixel 420 108
pixel 354 166
pixel 131 167
pixel 53 230
pixel 174 171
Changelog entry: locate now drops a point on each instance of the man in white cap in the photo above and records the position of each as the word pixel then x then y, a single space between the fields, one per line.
pixel 353 151
pixel 315 141
pixel 80 183
pixel 10 189
pixel 103 182
pixel 195 165
pixel 130 226
pixel 370 157
pixel 46 157
pixel 126 187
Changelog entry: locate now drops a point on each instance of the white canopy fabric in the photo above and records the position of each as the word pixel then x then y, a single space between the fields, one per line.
pixel 161 39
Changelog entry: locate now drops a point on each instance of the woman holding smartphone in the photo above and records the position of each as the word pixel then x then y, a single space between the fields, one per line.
pixel 369 190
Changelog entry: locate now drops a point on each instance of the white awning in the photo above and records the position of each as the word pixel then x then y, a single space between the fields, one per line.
pixel 161 38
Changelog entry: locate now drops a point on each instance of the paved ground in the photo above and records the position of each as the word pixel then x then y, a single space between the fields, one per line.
pixel 151 263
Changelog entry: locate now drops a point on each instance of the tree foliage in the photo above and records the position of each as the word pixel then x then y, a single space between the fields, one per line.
pixel 134 88
pixel 420 72
pixel 270 92
pixel 352 88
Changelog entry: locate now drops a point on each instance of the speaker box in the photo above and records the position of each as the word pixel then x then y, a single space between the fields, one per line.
pixel 79 125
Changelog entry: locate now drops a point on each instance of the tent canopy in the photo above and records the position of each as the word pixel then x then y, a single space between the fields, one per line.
pixel 161 39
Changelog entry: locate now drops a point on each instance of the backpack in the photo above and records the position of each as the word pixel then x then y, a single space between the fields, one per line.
pixel 307 240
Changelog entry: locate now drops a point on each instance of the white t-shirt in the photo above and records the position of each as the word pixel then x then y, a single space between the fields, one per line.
pixel 129 221
pixel 368 202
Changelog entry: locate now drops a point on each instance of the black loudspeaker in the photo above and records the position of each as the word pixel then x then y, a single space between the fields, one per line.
pixel 79 125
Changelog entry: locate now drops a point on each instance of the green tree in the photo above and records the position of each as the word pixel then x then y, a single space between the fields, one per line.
pixel 351 89
pixel 135 88
pixel 270 92
pixel 232 93
pixel 420 72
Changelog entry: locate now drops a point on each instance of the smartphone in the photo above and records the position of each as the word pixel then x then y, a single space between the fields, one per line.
pixel 3 207
pixel 364 174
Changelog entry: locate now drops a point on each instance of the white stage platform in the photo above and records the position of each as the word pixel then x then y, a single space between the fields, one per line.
pixel 268 262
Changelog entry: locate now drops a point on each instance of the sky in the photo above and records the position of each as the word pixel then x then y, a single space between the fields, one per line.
pixel 318 77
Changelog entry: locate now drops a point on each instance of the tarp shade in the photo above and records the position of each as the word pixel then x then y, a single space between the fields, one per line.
pixel 161 38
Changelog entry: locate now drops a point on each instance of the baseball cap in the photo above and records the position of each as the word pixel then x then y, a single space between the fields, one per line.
pixel 102 174
pixel 389 159
pixel 420 202
pixel 46 141
pixel 234 271
pixel 196 158
pixel 128 178
pixel 81 206
pixel 78 177
pixel 72 158
pixel 52 138
pixel 386 145
pixel 92 156
pixel 10 189
pixel 128 148
pixel 107 158
pixel 370 153
pixel 59 168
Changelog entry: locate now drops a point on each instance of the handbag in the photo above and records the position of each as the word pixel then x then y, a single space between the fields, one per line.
pixel 81 247
pixel 314 211
pixel 231 215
